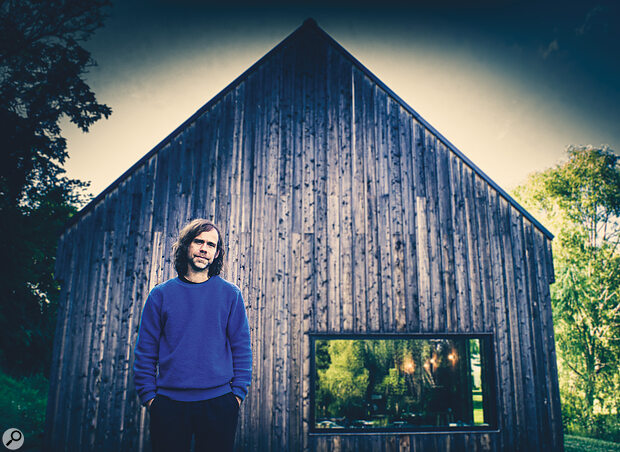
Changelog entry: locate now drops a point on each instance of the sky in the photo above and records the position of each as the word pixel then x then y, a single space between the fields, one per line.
pixel 510 83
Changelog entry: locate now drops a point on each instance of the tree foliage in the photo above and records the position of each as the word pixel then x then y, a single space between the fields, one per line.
pixel 580 201
pixel 42 68
pixel 41 80
pixel 346 378
pixel 394 383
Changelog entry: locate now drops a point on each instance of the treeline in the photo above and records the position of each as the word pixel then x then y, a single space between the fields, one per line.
pixel 579 200
pixel 42 67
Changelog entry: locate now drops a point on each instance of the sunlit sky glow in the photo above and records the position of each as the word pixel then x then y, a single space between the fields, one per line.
pixel 510 84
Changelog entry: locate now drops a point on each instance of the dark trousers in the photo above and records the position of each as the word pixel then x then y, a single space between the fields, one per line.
pixel 213 423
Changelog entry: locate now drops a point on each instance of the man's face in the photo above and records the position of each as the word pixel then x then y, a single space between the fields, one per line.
pixel 202 250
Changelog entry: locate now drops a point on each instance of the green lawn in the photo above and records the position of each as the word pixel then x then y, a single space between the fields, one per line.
pixel 22 405
pixel 580 444
pixel 478 410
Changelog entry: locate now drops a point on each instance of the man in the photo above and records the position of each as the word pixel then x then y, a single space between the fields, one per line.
pixel 193 361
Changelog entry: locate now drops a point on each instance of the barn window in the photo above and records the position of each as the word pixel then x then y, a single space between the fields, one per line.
pixel 402 382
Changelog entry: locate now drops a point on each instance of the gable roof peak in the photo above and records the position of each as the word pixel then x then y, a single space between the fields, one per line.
pixel 310 22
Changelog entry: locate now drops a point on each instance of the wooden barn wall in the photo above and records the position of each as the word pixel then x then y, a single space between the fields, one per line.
pixel 342 213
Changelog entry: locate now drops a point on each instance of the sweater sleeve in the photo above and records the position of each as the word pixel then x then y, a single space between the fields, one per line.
pixel 238 332
pixel 146 352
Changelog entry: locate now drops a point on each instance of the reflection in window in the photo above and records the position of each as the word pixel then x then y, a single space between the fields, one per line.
pixel 413 383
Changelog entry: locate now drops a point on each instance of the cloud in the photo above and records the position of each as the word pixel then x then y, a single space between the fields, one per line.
pixel 552 47
pixel 595 20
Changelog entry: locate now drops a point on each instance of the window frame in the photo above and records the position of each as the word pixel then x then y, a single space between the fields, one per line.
pixel 487 347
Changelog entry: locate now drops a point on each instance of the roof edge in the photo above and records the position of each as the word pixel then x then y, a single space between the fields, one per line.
pixel 419 118
pixel 309 23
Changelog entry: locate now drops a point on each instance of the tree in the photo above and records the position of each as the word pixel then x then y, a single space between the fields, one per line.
pixel 580 201
pixel 323 359
pixel 342 386
pixel 42 68
pixel 393 388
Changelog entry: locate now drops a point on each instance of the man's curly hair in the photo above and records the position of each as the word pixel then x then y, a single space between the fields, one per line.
pixel 189 233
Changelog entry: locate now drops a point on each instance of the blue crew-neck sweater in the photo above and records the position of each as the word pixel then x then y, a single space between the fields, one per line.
pixel 197 336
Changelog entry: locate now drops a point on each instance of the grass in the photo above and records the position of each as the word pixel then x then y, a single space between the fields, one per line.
pixel 22 405
pixel 581 444
pixel 478 409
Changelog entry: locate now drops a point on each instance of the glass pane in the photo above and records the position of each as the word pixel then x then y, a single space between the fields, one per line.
pixel 399 383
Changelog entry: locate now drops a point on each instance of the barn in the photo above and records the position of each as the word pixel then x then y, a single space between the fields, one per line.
pixel 398 298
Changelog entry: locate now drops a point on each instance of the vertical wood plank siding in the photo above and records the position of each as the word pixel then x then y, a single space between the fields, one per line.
pixel 343 212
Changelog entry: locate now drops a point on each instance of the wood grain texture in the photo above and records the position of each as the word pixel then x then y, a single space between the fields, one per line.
pixel 342 212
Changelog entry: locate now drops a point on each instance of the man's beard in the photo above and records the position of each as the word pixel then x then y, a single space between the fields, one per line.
pixel 199 269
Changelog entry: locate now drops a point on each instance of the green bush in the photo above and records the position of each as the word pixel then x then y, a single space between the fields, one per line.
pixel 604 426
pixel 23 401
pixel 607 427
